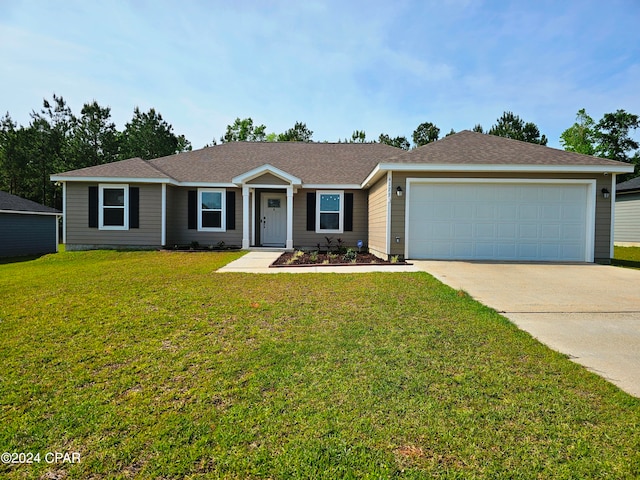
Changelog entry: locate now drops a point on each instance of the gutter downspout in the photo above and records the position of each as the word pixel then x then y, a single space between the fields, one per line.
pixel 163 217
pixel 64 214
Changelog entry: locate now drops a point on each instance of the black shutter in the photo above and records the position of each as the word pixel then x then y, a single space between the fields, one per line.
pixel 348 212
pixel 231 210
pixel 311 211
pixel 93 207
pixel 192 214
pixel 134 207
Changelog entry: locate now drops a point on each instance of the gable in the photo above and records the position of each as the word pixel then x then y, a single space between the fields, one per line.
pixel 267 179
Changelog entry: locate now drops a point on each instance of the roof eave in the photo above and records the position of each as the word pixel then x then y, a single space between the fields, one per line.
pixel 31 212
pixel 496 168
pixel 73 178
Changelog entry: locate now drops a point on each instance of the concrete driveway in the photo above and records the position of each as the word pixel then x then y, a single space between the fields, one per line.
pixel 589 312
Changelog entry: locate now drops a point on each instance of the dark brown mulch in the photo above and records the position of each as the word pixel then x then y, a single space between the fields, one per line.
pixel 287 260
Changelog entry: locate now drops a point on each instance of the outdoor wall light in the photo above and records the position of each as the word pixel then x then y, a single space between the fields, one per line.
pixel 605 192
pixel 399 191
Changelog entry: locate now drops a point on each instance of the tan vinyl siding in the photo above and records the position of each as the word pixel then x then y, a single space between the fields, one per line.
pixel 178 232
pixel 603 206
pixel 267 179
pixel 602 247
pixel 77 213
pixel 309 239
pixel 378 218
pixel 627 224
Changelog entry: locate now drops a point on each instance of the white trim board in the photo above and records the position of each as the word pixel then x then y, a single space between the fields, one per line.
pixel 381 168
pixel 24 212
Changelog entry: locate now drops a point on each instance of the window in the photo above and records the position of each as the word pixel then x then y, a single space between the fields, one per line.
pixel 211 208
pixel 329 214
pixel 113 207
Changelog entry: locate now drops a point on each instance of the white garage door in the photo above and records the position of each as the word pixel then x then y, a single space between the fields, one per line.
pixel 498 221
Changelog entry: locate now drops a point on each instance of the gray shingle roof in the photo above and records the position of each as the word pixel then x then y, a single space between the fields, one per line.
pixel 314 163
pixel 131 168
pixel 472 148
pixel 335 163
pixel 629 185
pixel 19 204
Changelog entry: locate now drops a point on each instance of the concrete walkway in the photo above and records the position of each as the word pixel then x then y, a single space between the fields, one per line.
pixel 589 312
pixel 258 261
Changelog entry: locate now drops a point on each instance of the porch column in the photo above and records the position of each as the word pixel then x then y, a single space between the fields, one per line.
pixel 289 243
pixel 245 217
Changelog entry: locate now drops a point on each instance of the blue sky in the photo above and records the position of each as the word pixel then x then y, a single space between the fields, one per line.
pixel 338 66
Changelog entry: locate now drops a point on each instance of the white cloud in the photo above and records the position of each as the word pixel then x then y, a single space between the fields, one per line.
pixel 377 66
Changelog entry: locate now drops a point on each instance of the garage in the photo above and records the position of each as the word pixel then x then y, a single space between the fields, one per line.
pixel 500 219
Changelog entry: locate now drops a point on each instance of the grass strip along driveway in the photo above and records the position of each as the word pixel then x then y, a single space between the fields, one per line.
pixel 151 365
pixel 627 257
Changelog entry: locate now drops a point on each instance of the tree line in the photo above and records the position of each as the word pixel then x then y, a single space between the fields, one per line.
pixel 56 140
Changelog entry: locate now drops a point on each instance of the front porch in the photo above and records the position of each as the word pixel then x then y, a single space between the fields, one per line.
pixel 267 207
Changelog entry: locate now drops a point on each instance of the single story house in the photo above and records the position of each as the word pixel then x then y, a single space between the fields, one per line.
pixel 627 216
pixel 26 227
pixel 468 196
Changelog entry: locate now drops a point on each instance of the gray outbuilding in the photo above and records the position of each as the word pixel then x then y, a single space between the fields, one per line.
pixel 26 227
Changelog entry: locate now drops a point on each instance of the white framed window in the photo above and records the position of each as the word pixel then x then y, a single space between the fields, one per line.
pixel 211 210
pixel 113 207
pixel 329 211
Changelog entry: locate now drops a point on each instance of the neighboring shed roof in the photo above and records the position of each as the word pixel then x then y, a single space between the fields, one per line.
pixel 472 148
pixel 628 186
pixel 13 203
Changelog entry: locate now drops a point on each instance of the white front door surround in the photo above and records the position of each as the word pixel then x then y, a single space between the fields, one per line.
pixel 279 226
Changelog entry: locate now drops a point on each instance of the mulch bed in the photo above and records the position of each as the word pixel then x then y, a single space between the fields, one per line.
pixel 305 260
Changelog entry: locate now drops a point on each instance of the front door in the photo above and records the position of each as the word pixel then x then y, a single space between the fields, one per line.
pixel 274 219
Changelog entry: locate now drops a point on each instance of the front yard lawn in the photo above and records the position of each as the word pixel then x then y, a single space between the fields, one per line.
pixel 151 365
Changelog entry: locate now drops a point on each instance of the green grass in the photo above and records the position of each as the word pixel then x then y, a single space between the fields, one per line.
pixel 151 365
pixel 626 256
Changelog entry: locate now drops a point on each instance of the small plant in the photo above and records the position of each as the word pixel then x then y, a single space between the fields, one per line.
pixel 296 256
pixel 340 243
pixel 332 256
pixel 328 242
pixel 195 245
pixel 220 245
pixel 325 262
pixel 395 259
pixel 313 257
pixel 350 256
